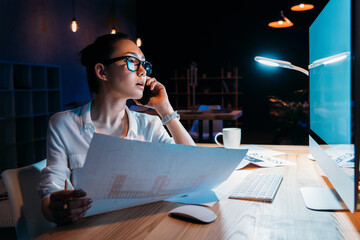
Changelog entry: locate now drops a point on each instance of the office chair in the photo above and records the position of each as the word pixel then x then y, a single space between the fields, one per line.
pixel 24 200
pixel 217 124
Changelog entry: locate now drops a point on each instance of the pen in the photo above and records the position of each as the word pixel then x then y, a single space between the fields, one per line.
pixel 65 188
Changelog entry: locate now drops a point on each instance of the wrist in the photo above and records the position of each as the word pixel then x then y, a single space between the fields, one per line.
pixel 170 117
pixel 165 110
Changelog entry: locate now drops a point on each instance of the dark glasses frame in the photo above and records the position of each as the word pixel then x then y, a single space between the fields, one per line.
pixel 146 65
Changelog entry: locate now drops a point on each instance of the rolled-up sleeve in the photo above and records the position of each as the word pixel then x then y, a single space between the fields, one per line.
pixel 56 171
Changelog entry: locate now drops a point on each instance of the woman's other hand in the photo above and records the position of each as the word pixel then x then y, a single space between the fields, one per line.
pixel 66 206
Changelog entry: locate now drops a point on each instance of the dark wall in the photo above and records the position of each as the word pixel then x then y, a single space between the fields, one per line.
pixel 38 31
pixel 227 34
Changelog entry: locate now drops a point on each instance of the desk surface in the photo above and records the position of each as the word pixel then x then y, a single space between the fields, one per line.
pixel 285 218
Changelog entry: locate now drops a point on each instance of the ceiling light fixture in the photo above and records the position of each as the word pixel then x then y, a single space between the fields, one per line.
pixel 281 23
pixel 302 7
pixel 113 30
pixel 74 26
pixel 138 42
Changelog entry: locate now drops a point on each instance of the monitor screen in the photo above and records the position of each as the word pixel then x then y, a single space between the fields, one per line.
pixel 333 92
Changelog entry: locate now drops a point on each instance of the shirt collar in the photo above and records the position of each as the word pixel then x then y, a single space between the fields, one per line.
pixel 132 124
pixel 89 127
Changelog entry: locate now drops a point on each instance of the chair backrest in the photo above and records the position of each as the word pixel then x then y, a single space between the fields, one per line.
pixel 217 124
pixel 24 200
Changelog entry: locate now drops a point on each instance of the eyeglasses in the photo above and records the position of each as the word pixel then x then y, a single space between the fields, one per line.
pixel 133 63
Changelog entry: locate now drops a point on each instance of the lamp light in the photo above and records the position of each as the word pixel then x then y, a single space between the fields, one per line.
pixel 302 7
pixel 74 26
pixel 280 63
pixel 113 30
pixel 281 23
pixel 331 59
pixel 138 42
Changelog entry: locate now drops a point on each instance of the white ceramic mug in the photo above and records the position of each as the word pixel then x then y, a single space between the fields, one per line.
pixel 231 138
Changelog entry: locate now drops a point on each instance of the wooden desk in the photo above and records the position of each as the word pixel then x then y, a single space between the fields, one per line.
pixel 285 218
pixel 209 115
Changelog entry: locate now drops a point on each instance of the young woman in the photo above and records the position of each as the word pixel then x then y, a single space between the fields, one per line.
pixel 117 71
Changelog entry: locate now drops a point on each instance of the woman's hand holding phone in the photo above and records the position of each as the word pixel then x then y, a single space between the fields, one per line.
pixel 154 94
pixel 158 99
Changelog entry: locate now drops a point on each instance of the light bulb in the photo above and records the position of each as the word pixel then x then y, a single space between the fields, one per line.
pixel 74 26
pixel 113 30
pixel 302 5
pixel 138 42
pixel 269 63
pixel 331 59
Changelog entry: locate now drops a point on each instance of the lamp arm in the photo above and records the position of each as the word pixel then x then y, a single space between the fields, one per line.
pixel 297 69
pixel 301 70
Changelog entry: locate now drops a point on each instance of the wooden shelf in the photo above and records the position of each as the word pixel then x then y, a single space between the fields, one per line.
pixel 210 90
pixel 220 90
pixel 29 95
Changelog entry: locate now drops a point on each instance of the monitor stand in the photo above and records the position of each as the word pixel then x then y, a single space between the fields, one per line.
pixel 317 198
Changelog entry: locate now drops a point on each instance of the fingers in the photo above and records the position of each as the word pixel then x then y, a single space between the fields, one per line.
pixel 79 203
pixel 70 216
pixel 65 194
pixel 68 206
pixel 71 213
pixel 152 82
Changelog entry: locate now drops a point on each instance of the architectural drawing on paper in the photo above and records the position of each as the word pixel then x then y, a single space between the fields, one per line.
pixel 160 188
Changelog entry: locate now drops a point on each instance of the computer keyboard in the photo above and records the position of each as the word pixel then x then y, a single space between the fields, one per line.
pixel 260 187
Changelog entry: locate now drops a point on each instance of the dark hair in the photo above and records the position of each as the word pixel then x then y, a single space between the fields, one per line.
pixel 98 52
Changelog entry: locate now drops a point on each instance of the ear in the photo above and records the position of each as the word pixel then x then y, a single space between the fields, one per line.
pixel 100 71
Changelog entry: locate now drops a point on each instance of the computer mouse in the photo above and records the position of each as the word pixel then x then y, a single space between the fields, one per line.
pixel 193 213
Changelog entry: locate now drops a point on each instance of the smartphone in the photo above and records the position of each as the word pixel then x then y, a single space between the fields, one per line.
pixel 147 94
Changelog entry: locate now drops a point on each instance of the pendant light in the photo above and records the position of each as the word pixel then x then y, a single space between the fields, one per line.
pixel 302 7
pixel 138 42
pixel 113 30
pixel 74 26
pixel 285 23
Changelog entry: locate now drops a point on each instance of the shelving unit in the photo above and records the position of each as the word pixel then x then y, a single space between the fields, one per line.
pixel 29 95
pixel 222 90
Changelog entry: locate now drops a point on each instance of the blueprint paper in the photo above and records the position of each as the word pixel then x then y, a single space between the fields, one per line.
pixel 120 173
pixel 262 157
pixel 342 154
pixel 261 150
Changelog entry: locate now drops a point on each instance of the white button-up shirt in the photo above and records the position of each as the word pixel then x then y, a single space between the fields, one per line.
pixel 69 136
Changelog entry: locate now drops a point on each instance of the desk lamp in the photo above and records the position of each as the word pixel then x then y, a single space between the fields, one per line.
pixel 319 62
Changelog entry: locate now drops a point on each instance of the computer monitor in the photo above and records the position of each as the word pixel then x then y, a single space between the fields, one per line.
pixel 334 137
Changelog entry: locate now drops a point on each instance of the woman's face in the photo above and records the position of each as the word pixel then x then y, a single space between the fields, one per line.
pixel 120 80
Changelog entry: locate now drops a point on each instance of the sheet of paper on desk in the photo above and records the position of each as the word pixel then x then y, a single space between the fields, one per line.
pixel 120 173
pixel 262 157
